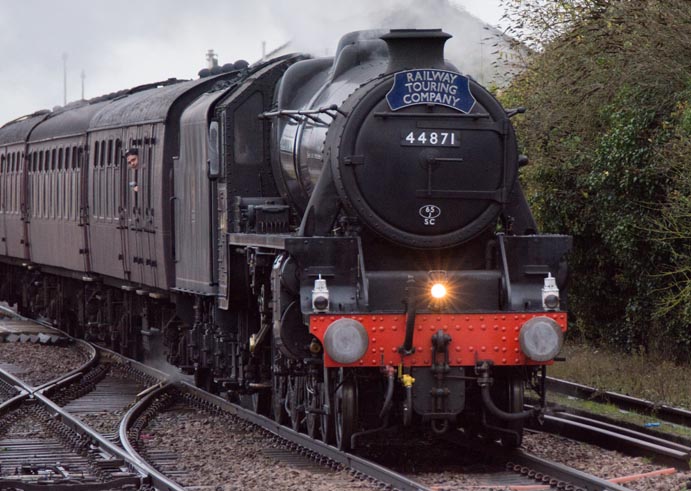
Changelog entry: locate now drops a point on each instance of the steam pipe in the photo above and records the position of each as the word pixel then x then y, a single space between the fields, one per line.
pixel 408 411
pixel 492 408
pixel 389 393
pixel 411 304
pixel 383 415
pixel 485 382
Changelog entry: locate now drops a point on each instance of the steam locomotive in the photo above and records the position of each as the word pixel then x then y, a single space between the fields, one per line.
pixel 340 243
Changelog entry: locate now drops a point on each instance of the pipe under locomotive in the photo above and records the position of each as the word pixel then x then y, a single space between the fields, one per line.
pixel 341 243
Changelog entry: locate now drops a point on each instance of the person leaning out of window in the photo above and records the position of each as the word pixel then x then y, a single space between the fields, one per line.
pixel 132 156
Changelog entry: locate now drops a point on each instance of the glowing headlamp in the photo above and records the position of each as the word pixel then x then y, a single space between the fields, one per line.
pixel 438 291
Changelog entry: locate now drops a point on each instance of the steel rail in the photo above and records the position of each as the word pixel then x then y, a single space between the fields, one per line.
pixel 147 474
pixel 560 472
pixel 108 450
pixel 662 411
pixel 159 480
pixel 352 462
pixel 544 471
pixel 618 438
pixel 15 382
pixel 65 378
pixel 69 377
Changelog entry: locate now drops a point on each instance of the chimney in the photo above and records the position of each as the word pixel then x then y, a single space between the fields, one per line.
pixel 415 48
pixel 211 59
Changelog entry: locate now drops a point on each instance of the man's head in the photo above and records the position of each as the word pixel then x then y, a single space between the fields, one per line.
pixel 132 156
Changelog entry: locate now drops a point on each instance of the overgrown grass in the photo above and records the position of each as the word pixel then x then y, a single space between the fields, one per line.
pixel 651 377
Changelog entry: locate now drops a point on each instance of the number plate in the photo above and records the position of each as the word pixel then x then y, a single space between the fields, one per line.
pixel 430 138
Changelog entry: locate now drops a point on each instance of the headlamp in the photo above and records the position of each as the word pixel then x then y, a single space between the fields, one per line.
pixel 438 291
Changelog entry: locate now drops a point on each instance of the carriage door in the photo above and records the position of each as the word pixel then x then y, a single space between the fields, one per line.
pixel 139 206
pixel 122 187
pixel 148 194
pixel 3 209
pixel 132 241
pixel 23 181
pixel 82 165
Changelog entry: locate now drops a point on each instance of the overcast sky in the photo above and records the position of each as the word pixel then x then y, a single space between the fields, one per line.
pixel 131 42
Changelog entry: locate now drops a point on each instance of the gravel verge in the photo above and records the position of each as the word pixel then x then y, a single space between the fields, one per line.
pixel 36 363
pixel 226 454
pixel 606 464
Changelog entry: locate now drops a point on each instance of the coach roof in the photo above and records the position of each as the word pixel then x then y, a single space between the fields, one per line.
pixel 147 104
pixel 71 120
pixel 18 130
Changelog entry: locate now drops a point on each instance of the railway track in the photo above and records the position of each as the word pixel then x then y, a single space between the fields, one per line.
pixel 629 438
pixel 44 445
pixel 671 414
pixel 99 388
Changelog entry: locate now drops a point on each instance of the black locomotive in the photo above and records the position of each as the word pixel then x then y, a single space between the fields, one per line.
pixel 341 243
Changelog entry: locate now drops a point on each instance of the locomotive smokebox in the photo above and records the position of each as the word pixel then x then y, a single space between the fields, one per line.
pixel 409 48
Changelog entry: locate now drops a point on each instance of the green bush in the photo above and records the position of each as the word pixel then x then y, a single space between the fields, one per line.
pixel 607 132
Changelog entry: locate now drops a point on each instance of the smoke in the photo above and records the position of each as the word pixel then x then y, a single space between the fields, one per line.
pixel 474 49
pixel 157 359
pixel 131 42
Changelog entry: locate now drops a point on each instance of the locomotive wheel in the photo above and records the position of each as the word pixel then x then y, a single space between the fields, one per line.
pixel 345 408
pixel 279 386
pixel 326 425
pixel 510 397
pixel 296 406
pixel 261 402
pixel 203 378
pixel 313 392
pixel 278 399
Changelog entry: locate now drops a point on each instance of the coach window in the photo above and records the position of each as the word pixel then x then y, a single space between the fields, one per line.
pixel 60 185
pixel 32 182
pixel 45 194
pixel 102 185
pixel 6 181
pixel 19 186
pixel 50 210
pixel 10 182
pixel 111 186
pixel 78 194
pixel 118 152
pixel 2 183
pixel 149 170
pixel 15 189
pixel 37 183
pixel 13 181
pixel 103 189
